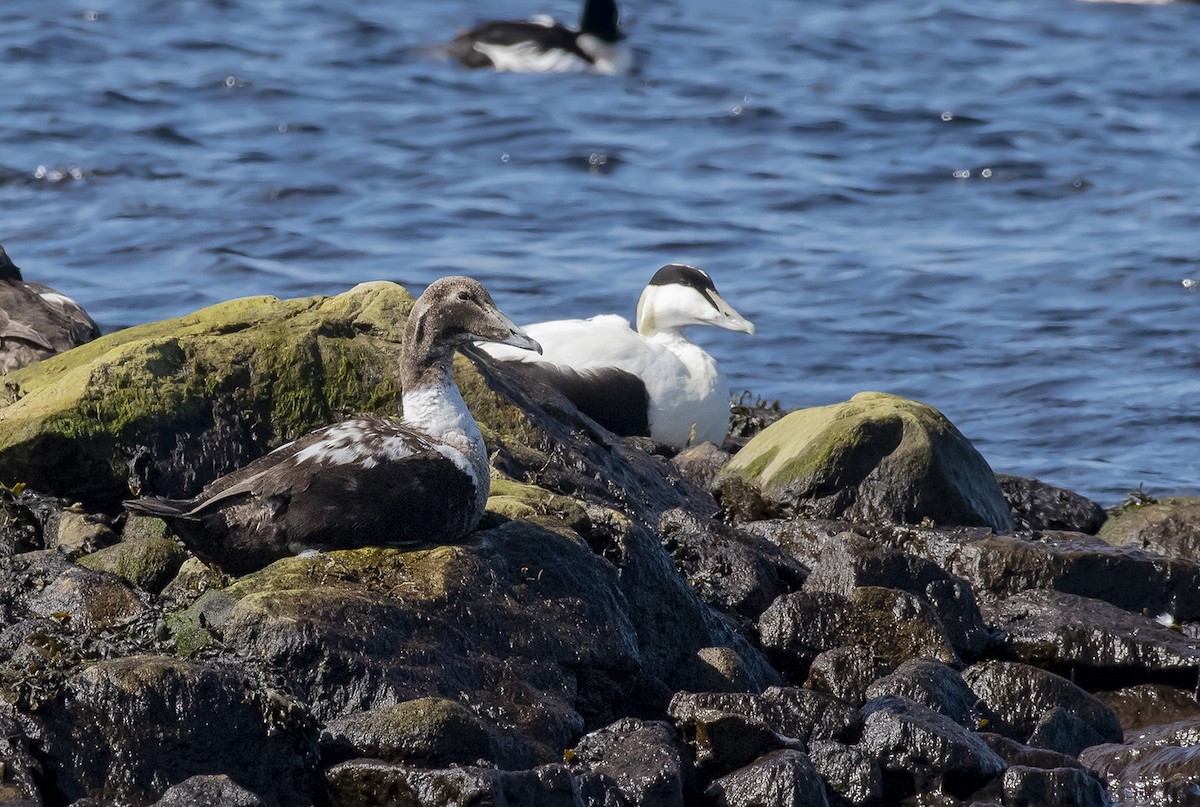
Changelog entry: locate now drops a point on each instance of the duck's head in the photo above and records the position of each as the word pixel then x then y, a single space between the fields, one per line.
pixel 457 311
pixel 680 295
pixel 601 20
pixel 8 269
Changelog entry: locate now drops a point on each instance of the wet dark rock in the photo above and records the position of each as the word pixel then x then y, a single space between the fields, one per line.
pixel 897 625
pixel 1041 709
pixel 634 762
pixel 370 783
pixel 723 741
pixel 1094 643
pixel 1063 731
pixel 210 791
pixel 734 571
pixel 876 457
pixel 855 561
pixel 433 732
pixel 191 581
pixel 851 775
pixel 792 712
pixel 934 685
pixel 1073 563
pixel 75 534
pixel 672 624
pixel 19 769
pixel 1015 753
pixel 1039 506
pixel 1160 770
pixel 529 624
pixel 779 779
pixel 23 517
pixel 920 750
pixel 715 669
pixel 1168 527
pixel 1056 787
pixel 167 732
pixel 700 464
pixel 847 672
pixel 46 584
pixel 1150 704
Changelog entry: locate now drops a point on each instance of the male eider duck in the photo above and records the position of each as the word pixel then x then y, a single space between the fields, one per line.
pixel 652 381
pixel 541 45
pixel 36 322
pixel 367 481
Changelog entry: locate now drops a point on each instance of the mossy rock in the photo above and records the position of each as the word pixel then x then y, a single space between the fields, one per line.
pixel 429 731
pixel 1168 526
pixel 147 561
pixel 184 400
pixel 169 406
pixel 876 457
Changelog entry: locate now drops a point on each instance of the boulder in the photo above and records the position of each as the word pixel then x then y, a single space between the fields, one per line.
pixel 791 712
pixel 1038 506
pixel 434 732
pixel 847 672
pixel 1160 767
pixel 1056 787
pixel 851 774
pixel 635 762
pixel 1150 704
pixel 125 729
pixel 1033 705
pixel 1169 526
pixel 370 783
pixel 148 562
pixel 179 402
pixel 736 572
pixel 919 750
pixel 1094 643
pixel 934 685
pixel 526 624
pixel 46 585
pixel 213 791
pixel 876 457
pixel 855 561
pixel 19 769
pixel 897 625
pixel 780 779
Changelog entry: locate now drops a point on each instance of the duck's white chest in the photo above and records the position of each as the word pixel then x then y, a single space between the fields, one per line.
pixel 688 391
pixel 441 412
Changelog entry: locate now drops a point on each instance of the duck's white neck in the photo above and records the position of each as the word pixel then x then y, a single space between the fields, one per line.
pixel 441 412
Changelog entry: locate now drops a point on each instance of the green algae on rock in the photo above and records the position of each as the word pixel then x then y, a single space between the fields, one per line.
pixel 182 401
pixel 876 457
pixel 1168 526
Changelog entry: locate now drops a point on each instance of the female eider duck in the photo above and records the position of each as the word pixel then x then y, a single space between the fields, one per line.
pixel 652 381
pixel 367 481
pixel 541 45
pixel 36 322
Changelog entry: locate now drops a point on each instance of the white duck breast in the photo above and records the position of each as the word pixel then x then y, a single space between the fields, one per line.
pixel 541 45
pixel 650 381
pixel 369 480
pixel 36 322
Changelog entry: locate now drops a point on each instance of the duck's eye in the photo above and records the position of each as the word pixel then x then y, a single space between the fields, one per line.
pixel 464 296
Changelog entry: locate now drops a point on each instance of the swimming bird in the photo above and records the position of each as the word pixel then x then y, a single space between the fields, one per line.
pixel 36 321
pixel 649 381
pixel 541 45
pixel 367 481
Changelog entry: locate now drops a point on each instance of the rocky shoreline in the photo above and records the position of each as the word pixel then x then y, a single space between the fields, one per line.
pixel 842 606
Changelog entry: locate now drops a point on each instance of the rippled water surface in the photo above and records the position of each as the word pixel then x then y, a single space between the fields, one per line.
pixel 991 207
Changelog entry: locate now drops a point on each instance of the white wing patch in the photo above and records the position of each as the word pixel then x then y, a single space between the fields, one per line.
pixel 360 442
pixel 526 57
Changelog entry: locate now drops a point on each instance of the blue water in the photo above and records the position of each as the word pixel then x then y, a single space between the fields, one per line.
pixel 991 207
